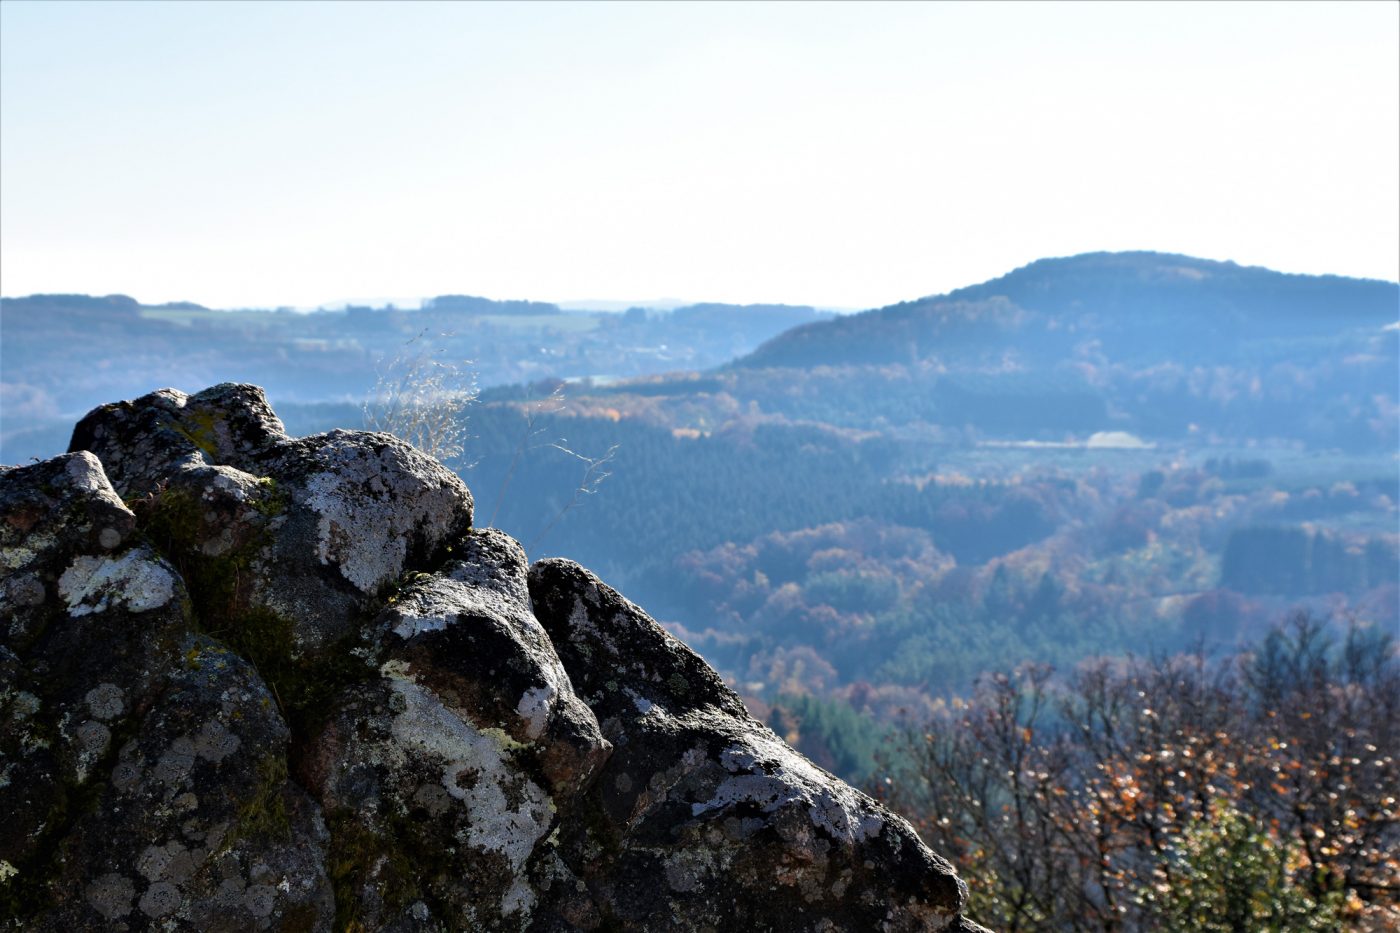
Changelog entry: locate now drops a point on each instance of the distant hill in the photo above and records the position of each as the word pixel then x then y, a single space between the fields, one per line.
pixel 471 304
pixel 1162 347
pixel 63 354
pixel 1133 307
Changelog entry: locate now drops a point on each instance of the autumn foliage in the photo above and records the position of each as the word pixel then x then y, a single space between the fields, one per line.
pixel 1256 792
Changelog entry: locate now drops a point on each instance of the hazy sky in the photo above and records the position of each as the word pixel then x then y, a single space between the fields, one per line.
pixel 264 154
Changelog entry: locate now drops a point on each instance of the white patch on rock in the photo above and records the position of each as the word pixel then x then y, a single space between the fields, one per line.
pixel 126 775
pixel 215 742
pixel 534 707
pixel 237 483
pixel 176 761
pixel 85 472
pixel 520 897
pixel 155 862
pixel 133 581
pixel 581 621
pixel 160 899
pixel 506 578
pixel 642 704
pixel 411 623
pixel 437 602
pixel 478 759
pixel 260 900
pixel 93 737
pixel 788 780
pixel 369 504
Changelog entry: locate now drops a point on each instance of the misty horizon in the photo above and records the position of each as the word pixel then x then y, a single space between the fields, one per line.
pixel 609 305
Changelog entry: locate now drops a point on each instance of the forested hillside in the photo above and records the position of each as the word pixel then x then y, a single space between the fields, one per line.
pixel 1027 553
pixel 1090 456
pixel 1127 307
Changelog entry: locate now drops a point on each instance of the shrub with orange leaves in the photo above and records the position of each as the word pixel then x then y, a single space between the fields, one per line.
pixel 1257 791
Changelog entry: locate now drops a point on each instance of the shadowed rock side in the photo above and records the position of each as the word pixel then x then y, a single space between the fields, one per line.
pixel 143 764
pixel 254 682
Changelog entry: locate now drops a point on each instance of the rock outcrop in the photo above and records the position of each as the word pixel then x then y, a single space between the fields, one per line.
pixel 256 682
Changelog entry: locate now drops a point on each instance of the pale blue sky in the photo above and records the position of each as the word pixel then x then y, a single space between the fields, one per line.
pixel 261 153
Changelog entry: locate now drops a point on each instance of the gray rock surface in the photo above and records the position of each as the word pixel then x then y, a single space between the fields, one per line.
pixel 143 766
pixel 254 682
pixel 293 535
pixel 195 825
pixel 462 756
pixel 703 817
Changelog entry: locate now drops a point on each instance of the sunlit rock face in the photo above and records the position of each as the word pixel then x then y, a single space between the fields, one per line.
pixel 255 682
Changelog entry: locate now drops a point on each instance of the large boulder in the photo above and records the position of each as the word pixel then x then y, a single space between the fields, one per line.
pixel 706 820
pixel 255 682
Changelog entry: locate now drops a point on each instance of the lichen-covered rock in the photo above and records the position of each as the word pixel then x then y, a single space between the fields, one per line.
pixel 287 541
pixel 433 817
pixel 143 769
pixel 195 825
pixel 469 634
pixel 255 682
pixel 142 443
pixel 704 818
pixel 444 779
pixel 50 512
pixel 86 616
